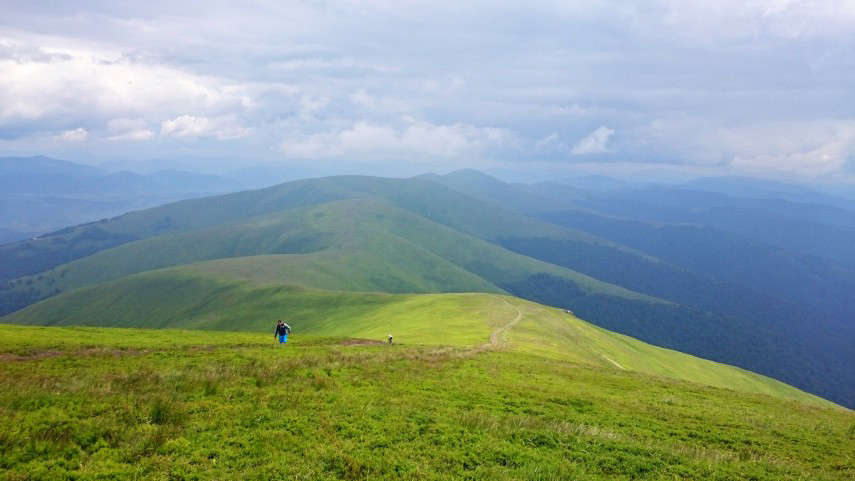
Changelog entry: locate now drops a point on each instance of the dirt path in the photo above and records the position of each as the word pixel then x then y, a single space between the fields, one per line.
pixel 494 336
pixel 607 358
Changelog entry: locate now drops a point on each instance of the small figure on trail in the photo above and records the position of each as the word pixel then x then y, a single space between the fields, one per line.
pixel 282 330
pixel 390 339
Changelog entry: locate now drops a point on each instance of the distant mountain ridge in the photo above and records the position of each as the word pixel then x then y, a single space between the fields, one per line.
pixel 41 194
pixel 464 232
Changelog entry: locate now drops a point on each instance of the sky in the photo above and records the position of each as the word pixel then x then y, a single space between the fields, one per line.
pixel 726 87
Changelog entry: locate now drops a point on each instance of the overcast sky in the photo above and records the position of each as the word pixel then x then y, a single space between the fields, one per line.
pixel 761 87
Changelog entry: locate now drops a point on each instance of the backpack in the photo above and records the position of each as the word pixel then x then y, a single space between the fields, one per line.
pixel 287 329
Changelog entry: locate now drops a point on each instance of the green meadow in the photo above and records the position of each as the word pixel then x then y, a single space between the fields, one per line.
pixel 502 389
pixel 178 299
pixel 363 244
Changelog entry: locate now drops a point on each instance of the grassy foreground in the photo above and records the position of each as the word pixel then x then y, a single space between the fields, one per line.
pixel 163 299
pixel 98 403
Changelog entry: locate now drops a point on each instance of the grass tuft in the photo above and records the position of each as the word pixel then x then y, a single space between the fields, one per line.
pixel 161 412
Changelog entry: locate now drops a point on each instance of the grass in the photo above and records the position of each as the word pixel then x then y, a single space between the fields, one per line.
pixel 165 300
pixel 98 403
pixel 361 244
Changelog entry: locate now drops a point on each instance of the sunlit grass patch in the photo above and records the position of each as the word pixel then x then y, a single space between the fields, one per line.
pixel 206 407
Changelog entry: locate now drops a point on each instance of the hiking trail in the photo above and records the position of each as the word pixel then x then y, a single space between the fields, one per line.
pixel 494 336
pixel 607 358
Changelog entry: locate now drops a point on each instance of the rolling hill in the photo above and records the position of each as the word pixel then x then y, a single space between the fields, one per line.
pixel 202 296
pixel 364 234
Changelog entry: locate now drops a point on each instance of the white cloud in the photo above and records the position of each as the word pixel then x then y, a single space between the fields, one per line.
pixel 23 53
pixel 381 106
pixel 595 143
pixel 75 135
pixel 363 99
pixel 311 107
pixel 826 158
pixel 810 147
pixel 758 18
pixel 190 127
pixel 186 127
pixel 415 140
pixel 89 84
pixel 550 141
pixel 128 129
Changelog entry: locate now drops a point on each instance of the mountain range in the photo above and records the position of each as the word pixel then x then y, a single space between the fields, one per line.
pixel 41 194
pixel 643 261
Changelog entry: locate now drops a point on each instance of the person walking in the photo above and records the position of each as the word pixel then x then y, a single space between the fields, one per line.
pixel 282 330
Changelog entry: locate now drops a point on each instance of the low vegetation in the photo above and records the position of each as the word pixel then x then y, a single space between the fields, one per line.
pixel 99 403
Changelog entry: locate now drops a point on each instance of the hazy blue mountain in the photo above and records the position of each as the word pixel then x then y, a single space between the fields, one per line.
pixel 808 228
pixel 763 188
pixel 40 194
pixel 260 176
pixel 491 190
pixel 10 235
pixel 47 165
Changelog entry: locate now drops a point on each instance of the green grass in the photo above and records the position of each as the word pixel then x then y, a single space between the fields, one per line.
pixel 362 244
pixel 97 403
pixel 178 299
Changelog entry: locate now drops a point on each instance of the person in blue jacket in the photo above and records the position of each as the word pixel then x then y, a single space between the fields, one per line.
pixel 282 330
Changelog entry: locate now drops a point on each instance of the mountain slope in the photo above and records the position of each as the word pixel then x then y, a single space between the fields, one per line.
pixel 115 403
pixel 50 250
pixel 427 199
pixel 415 235
pixel 802 305
pixel 365 242
pixel 193 298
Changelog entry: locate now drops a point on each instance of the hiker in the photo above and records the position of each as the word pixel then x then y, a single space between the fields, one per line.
pixel 390 339
pixel 282 330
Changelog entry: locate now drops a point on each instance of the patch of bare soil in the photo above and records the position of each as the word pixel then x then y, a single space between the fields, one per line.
pixel 33 356
pixel 106 351
pixel 84 352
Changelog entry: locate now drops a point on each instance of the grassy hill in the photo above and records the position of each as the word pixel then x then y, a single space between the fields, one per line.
pixel 124 403
pixel 424 198
pixel 363 244
pixel 473 234
pixel 50 250
pixel 200 297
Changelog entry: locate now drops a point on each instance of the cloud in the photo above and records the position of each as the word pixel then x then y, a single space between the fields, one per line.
pixel 758 18
pixel 595 143
pixel 550 141
pixel 93 86
pixel 128 129
pixel 829 157
pixel 415 140
pixel 189 127
pixel 75 135
pixel 23 53
pixel 719 85
pixel 310 107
